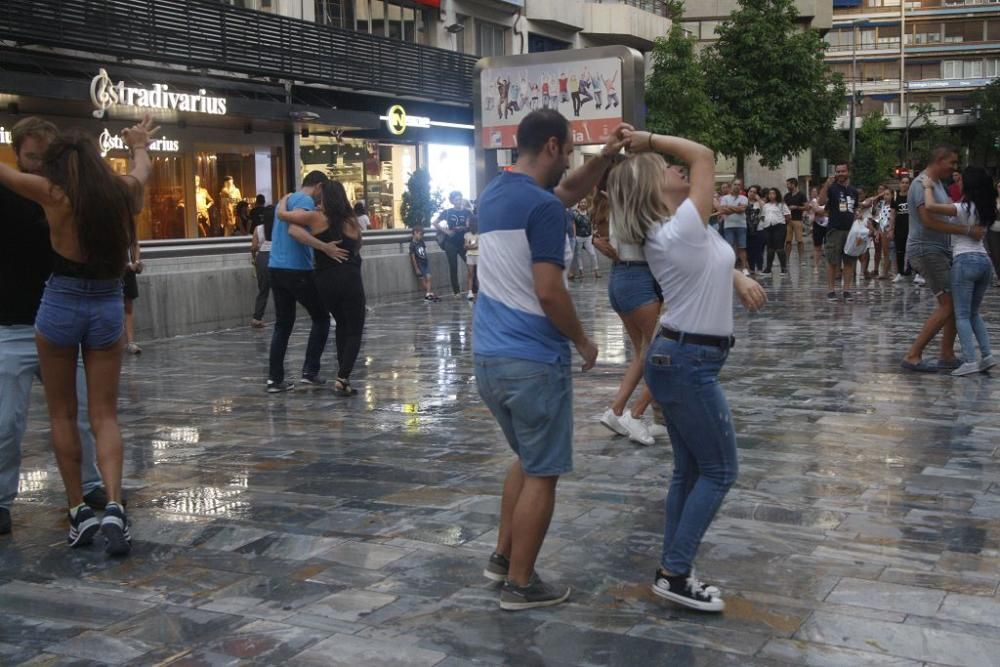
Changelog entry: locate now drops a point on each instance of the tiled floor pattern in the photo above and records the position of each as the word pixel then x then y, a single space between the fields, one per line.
pixel 307 529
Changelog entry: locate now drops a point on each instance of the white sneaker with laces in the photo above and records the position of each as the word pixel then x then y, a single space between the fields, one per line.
pixel 637 431
pixel 919 279
pixel 898 278
pixel 658 431
pixel 613 422
pixel 968 368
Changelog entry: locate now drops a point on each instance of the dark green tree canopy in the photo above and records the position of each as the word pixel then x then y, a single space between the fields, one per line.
pixel 419 203
pixel 773 90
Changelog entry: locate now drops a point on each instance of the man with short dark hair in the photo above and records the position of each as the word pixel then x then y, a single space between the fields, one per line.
pixel 25 265
pixel 928 250
pixel 795 200
pixel 524 321
pixel 291 268
pixel 841 201
pixel 733 207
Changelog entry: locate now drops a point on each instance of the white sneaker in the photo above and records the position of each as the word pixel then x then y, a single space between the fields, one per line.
pixel 898 278
pixel 746 273
pixel 658 431
pixel 968 368
pixel 987 363
pixel 637 431
pixel 471 296
pixel 919 279
pixel 613 422
pixel 133 348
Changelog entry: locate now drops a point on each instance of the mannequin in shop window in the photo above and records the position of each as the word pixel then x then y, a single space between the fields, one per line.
pixel 203 202
pixel 229 196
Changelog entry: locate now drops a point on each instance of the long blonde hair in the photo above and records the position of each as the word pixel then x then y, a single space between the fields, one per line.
pixel 634 195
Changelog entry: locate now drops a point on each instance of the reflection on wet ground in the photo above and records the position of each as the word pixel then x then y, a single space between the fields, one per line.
pixel 310 529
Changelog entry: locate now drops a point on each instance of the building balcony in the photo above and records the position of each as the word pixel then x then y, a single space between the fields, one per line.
pixel 943 117
pixel 566 14
pixel 623 23
pixel 212 36
pixel 819 14
pixel 890 8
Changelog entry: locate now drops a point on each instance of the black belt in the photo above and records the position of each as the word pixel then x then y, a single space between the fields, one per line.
pixel 725 342
pixel 621 263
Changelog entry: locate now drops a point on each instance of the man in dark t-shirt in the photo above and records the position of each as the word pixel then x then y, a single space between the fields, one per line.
pixel 841 201
pixel 25 265
pixel 452 225
pixel 795 200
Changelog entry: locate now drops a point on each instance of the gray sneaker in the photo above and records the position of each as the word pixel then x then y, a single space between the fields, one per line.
pixel 536 594
pixel 497 568
pixel 987 363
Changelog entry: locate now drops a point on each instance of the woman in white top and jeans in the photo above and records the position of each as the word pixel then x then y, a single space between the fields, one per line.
pixel 694 268
pixel 971 269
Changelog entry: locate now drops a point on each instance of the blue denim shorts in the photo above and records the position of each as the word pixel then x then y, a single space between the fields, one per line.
pixel 632 286
pixel 736 237
pixel 533 403
pixel 78 311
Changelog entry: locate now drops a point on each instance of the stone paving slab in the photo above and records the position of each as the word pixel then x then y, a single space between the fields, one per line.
pixel 307 529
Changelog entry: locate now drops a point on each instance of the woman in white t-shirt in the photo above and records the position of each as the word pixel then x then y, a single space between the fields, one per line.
pixel 361 215
pixel 819 227
pixel 971 269
pixel 775 216
pixel 693 266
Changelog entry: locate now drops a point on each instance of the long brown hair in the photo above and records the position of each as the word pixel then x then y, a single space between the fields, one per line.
pixel 336 207
pixel 600 213
pixel 102 202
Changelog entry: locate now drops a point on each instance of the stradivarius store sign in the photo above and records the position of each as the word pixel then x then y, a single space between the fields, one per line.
pixel 106 94
pixel 112 142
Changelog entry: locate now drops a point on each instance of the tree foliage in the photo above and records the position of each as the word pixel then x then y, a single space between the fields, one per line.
pixel 987 129
pixel 420 203
pixel 876 152
pixel 772 89
pixel 677 101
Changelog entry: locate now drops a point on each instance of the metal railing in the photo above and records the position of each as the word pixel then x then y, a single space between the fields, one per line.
pixel 658 7
pixel 212 35
pixel 235 245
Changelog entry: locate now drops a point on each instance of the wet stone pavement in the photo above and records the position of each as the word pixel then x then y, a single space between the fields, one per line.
pixel 307 529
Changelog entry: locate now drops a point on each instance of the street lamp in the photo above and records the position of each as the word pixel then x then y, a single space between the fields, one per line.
pixel 854 79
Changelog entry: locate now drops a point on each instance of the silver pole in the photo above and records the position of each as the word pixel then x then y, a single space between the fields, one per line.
pixel 854 83
pixel 902 81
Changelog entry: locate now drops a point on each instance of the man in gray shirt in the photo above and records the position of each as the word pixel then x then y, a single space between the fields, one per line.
pixel 734 208
pixel 928 250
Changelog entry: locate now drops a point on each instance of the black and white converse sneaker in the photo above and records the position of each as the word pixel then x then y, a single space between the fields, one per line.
pixel 497 568
pixel 279 387
pixel 82 527
pixel 688 591
pixel 115 527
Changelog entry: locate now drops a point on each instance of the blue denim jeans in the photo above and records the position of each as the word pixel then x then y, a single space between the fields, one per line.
pixel 632 286
pixel 533 403
pixel 971 273
pixel 18 367
pixel 684 380
pixel 79 311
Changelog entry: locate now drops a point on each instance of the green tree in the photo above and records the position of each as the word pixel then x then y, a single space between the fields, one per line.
pixel 772 89
pixel 987 129
pixel 876 153
pixel 420 203
pixel 677 101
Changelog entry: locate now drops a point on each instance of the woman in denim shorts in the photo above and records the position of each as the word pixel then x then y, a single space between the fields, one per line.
pixel 90 212
pixel 694 267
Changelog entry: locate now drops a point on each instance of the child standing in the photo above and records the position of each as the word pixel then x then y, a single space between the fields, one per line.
pixel 472 257
pixel 418 259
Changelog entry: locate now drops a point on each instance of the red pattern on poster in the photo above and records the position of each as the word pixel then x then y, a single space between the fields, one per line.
pixel 593 131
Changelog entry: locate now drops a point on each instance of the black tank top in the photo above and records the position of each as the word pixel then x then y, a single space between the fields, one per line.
pixel 323 261
pixel 61 266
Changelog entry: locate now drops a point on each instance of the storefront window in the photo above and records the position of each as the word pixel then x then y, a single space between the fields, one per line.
pixel 372 171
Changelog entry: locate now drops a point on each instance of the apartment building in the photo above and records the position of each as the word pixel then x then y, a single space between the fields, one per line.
pixel 900 54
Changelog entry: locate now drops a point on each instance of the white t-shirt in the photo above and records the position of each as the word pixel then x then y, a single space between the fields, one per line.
pixel 364 222
pixel 694 266
pixel 820 213
pixel 263 245
pixel 995 227
pixel 773 214
pixel 960 243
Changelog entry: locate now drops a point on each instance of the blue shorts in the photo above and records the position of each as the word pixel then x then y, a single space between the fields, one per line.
pixel 422 270
pixel 533 403
pixel 632 286
pixel 78 311
pixel 736 237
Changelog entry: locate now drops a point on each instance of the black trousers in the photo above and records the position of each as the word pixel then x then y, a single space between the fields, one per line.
pixel 453 250
pixel 343 294
pixel 289 288
pixel 263 284
pixel 900 234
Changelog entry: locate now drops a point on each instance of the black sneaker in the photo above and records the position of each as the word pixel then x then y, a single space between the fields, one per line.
pixel 6 525
pixel 848 296
pixel 114 525
pixel 536 594
pixel 688 591
pixel 82 528
pixel 497 568
pixel 314 381
pixel 278 387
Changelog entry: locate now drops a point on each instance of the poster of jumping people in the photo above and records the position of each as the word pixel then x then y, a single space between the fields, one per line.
pixel 586 92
